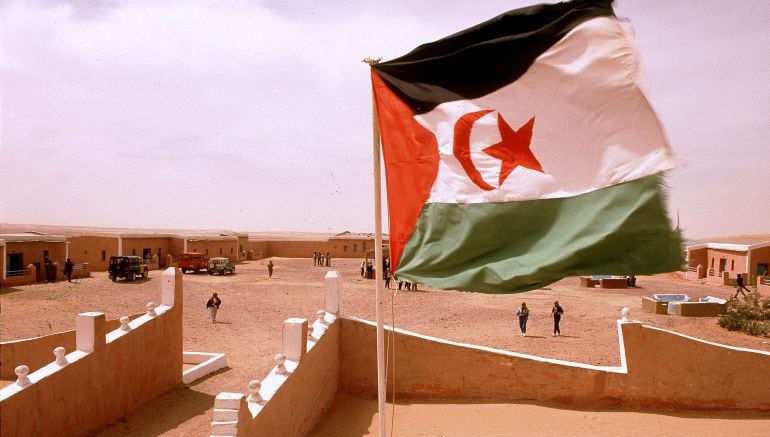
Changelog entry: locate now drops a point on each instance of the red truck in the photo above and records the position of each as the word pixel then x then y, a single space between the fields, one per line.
pixel 193 261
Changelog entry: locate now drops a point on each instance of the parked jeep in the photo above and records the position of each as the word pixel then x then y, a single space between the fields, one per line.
pixel 128 267
pixel 221 265
pixel 194 261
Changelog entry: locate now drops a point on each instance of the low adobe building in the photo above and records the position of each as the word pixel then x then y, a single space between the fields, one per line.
pixel 720 260
pixel 27 244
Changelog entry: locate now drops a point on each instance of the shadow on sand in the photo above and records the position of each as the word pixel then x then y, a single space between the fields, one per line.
pixel 162 414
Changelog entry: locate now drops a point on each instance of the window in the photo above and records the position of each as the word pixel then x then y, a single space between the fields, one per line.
pixel 345 248
pixel 104 255
pixel 207 251
pixel 712 263
pixel 355 247
pixel 15 262
pixel 220 251
pixel 45 254
pixel 363 246
pixel 133 252
pixel 732 265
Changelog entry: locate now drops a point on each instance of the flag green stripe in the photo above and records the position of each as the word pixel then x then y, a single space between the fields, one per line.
pixel 518 246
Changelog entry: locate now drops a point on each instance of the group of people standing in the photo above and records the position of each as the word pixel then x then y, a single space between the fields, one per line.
pixel 523 313
pixel 367 272
pixel 50 270
pixel 321 259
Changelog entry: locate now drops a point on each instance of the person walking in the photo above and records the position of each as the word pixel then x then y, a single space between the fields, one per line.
pixel 523 313
pixel 213 306
pixel 387 278
pixel 740 287
pixel 270 269
pixel 328 259
pixel 556 313
pixel 69 266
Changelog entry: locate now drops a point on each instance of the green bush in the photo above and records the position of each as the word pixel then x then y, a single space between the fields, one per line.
pixel 752 315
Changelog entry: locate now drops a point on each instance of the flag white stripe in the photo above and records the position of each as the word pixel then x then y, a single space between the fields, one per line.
pixel 593 126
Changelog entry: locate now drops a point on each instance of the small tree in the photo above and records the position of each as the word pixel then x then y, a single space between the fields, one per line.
pixel 752 315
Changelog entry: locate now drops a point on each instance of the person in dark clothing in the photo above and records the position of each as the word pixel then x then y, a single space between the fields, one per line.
pixel 270 269
pixel 556 313
pixel 50 271
pixel 69 266
pixel 213 306
pixel 740 287
pixel 523 313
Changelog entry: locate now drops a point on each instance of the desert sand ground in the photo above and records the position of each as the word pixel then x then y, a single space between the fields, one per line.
pixel 254 307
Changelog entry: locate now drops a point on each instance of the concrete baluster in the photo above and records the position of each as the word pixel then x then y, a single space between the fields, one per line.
pixel 254 387
pixel 124 326
pixel 151 309
pixel 333 292
pixel 90 332
pixel 625 313
pixel 295 338
pixel 319 326
pixel 21 376
pixel 61 356
pixel 280 369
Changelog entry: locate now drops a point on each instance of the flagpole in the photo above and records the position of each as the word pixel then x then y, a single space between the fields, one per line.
pixel 379 287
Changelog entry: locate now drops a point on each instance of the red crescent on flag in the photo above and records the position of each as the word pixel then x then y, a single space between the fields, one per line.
pixel 462 147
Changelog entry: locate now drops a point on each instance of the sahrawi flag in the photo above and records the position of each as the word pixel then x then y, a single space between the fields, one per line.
pixel 521 151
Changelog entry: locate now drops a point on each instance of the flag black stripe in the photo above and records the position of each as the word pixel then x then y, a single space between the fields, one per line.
pixel 485 57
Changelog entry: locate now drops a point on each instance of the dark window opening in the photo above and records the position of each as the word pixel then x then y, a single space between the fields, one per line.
pixel 15 262
pixel 104 255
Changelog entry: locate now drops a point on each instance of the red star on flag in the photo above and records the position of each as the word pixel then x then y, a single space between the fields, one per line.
pixel 513 149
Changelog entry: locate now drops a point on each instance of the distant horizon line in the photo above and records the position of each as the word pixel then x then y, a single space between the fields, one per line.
pixel 18 227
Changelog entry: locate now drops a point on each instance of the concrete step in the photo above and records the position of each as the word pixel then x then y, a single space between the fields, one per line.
pixel 229 428
pixel 225 415
pixel 228 401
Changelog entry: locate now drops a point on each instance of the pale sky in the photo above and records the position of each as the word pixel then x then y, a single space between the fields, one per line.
pixel 256 115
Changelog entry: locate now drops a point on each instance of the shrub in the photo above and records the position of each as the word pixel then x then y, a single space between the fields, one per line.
pixel 751 316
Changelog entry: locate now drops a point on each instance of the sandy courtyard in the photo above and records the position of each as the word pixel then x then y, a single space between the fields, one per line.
pixel 254 308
